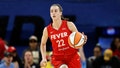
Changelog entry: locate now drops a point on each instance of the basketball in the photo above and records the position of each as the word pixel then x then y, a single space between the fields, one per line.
pixel 76 40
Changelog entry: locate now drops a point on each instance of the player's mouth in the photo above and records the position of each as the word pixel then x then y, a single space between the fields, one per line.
pixel 54 16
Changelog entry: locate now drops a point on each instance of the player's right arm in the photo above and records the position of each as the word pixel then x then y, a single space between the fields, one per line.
pixel 43 46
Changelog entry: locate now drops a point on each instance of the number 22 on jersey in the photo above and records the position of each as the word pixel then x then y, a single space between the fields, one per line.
pixel 60 43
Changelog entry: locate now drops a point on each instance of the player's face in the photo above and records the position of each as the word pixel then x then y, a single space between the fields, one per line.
pixel 55 12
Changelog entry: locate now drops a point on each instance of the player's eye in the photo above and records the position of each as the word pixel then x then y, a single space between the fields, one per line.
pixel 56 10
pixel 51 11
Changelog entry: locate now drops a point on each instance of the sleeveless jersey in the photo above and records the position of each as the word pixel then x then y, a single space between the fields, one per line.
pixel 59 39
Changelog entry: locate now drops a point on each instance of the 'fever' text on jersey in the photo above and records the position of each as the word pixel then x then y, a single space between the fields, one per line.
pixel 59 35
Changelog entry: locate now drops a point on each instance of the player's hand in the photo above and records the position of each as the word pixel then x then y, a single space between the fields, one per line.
pixel 85 40
pixel 43 63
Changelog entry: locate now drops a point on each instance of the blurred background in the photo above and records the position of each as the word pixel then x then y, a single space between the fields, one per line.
pixel 98 19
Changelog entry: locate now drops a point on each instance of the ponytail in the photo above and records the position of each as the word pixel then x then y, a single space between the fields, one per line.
pixel 63 18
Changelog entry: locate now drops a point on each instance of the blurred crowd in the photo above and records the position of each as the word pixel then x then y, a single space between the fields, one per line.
pixel 31 57
pixel 110 58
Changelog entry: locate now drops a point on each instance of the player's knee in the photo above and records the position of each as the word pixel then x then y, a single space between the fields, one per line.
pixel 63 66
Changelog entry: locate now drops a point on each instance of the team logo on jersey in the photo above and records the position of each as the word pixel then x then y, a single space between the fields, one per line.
pixel 51 32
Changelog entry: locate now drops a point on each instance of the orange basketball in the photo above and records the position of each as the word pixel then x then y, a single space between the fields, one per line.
pixel 76 40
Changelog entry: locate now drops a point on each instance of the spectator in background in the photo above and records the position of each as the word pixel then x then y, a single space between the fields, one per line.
pixel 3 48
pixel 97 52
pixel 115 47
pixel 33 46
pixel 8 61
pixel 28 60
pixel 107 60
pixel 16 59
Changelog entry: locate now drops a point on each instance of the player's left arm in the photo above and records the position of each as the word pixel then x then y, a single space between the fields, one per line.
pixel 73 28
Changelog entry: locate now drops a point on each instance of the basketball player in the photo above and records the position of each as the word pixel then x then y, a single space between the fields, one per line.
pixel 58 31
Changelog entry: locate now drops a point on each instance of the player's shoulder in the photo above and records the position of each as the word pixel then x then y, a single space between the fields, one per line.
pixel 48 26
pixel 70 23
pixel 67 21
pixel 45 29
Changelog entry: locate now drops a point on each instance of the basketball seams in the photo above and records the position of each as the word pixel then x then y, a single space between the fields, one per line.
pixel 81 41
pixel 69 41
pixel 77 38
pixel 74 39
pixel 72 36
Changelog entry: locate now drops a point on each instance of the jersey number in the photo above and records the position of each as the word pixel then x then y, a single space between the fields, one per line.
pixel 60 43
